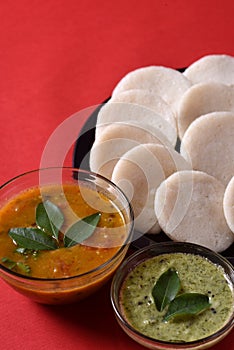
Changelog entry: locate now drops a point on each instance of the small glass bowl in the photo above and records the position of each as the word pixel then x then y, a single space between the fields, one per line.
pixel 67 289
pixel 147 253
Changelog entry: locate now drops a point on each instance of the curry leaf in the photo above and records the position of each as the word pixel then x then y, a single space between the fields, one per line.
pixel 81 230
pixel 24 267
pixel 11 264
pixel 49 218
pixel 32 238
pixel 166 288
pixel 187 304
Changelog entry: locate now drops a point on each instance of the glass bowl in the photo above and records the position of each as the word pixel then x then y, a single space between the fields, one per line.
pixel 67 289
pixel 148 253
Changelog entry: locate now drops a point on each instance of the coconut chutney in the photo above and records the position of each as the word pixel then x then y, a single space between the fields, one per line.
pixel 197 274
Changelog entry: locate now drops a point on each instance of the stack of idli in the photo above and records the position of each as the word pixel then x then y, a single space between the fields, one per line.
pixel 185 191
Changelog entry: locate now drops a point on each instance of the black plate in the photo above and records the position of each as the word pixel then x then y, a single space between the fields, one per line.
pixel 81 151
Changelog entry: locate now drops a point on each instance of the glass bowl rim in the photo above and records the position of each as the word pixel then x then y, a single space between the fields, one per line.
pixel 99 268
pixel 124 323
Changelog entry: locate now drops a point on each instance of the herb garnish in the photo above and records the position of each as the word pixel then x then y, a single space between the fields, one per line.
pixel 165 292
pixel 81 230
pixel 166 289
pixel 45 236
pixel 11 264
pixel 187 304
pixel 49 218
pixel 32 238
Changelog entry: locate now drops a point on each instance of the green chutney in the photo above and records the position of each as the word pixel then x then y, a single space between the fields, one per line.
pixel 198 275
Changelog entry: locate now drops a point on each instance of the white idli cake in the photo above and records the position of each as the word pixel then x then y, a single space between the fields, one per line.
pixel 189 208
pixel 208 144
pixel 187 194
pixel 166 82
pixel 149 100
pixel 130 113
pixel 204 98
pixel 219 68
pixel 228 204
pixel 116 139
pixel 139 172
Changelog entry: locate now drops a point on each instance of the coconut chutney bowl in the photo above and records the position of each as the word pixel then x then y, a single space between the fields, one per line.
pixel 63 233
pixel 174 295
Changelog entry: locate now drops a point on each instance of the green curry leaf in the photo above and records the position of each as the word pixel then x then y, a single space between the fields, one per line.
pixel 49 218
pixel 11 264
pixel 166 288
pixel 187 304
pixel 81 230
pixel 45 236
pixel 32 238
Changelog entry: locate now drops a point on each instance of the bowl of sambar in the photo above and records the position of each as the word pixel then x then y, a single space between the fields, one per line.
pixel 63 233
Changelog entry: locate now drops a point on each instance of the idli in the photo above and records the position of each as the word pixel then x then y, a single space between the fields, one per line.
pixel 139 172
pixel 208 144
pixel 168 83
pixel 116 139
pixel 204 98
pixel 149 100
pixel 129 113
pixel 217 67
pixel 189 208
pixel 228 204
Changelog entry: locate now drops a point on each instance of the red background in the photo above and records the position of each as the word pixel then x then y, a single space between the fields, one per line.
pixel 56 58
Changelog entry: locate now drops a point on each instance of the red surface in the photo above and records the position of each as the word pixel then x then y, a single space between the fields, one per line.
pixel 56 58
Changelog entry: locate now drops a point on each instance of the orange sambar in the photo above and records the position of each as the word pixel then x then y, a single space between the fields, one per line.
pixel 74 202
